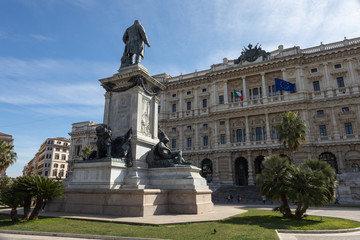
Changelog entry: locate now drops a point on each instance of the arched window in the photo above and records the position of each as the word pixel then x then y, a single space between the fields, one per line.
pixel 330 159
pixel 207 169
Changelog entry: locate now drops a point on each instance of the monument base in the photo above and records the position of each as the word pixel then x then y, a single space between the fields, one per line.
pixel 95 189
pixel 133 202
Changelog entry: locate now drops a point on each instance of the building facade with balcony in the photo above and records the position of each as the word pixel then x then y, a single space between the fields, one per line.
pixel 51 160
pixel 228 138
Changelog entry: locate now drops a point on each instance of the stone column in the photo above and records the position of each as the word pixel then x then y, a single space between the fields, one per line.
pixel 107 108
pixel 162 106
pixel 355 87
pixel 216 140
pixel 181 103
pixel 228 133
pixel 283 71
pixel 299 81
pixel 154 122
pixel 181 138
pixel 213 95
pixel 197 140
pixel 264 92
pixel 196 102
pixel 245 96
pixel 268 136
pixel 327 77
pixel 226 93
pixel 251 179
pixel 247 142
pixel 334 123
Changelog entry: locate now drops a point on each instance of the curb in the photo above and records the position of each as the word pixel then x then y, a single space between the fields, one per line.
pixel 318 231
pixel 69 235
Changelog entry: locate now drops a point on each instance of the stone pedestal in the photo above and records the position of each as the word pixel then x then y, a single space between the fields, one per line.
pixel 108 186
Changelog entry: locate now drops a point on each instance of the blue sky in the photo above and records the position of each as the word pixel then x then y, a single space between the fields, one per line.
pixel 52 52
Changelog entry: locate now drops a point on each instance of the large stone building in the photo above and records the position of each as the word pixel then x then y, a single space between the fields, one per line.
pixel 51 160
pixel 228 137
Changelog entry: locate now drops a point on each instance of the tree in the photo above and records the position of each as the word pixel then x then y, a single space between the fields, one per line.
pixel 312 184
pixel 7 156
pixel 274 180
pixel 43 189
pixel 23 186
pixel 10 197
pixel 292 131
pixel 86 151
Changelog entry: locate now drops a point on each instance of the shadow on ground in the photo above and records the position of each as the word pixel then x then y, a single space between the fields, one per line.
pixel 269 222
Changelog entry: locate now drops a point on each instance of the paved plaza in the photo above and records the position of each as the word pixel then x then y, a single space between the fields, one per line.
pixel 220 212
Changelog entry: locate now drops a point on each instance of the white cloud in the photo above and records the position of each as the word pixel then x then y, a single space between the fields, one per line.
pixel 41 37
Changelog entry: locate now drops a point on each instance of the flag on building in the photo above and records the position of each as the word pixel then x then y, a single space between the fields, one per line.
pixel 284 85
pixel 238 94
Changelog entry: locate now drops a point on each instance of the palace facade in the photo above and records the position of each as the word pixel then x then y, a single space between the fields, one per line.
pixel 228 138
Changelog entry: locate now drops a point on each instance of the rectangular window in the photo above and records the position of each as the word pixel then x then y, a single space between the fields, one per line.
pixel 174 107
pixel 313 70
pixel 204 101
pixel 63 157
pixel 77 150
pixel 188 93
pixel 188 105
pixel 204 90
pixel 239 134
pixel 221 99
pixel 348 128
pixel 205 125
pixel 316 86
pixel 55 172
pixel 189 142
pixel 255 93
pixel 159 109
pixel 345 109
pixel 250 94
pixel 320 112
pixel 258 133
pixel 337 66
pixel 222 139
pixel 46 173
pixel 57 156
pixel 189 127
pixel 340 82
pixel 174 95
pixel 173 129
pixel 173 143
pixel 322 130
pixel 222 123
pixel 58 149
pixel 62 166
pixel 206 141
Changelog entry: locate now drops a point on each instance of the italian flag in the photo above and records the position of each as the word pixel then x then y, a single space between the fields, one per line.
pixel 238 94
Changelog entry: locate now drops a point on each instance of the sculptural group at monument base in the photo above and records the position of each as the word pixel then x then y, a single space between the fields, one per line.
pixel 120 147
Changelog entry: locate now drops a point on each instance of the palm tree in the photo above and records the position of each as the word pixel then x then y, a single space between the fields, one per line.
pixel 274 180
pixel 292 131
pixel 7 156
pixel 86 151
pixel 10 197
pixel 23 187
pixel 44 189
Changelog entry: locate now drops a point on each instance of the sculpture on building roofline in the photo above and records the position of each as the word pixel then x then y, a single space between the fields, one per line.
pixel 134 38
pixel 116 148
pixel 251 54
pixel 161 156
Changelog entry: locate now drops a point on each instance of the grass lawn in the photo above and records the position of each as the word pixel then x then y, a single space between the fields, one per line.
pixel 255 224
